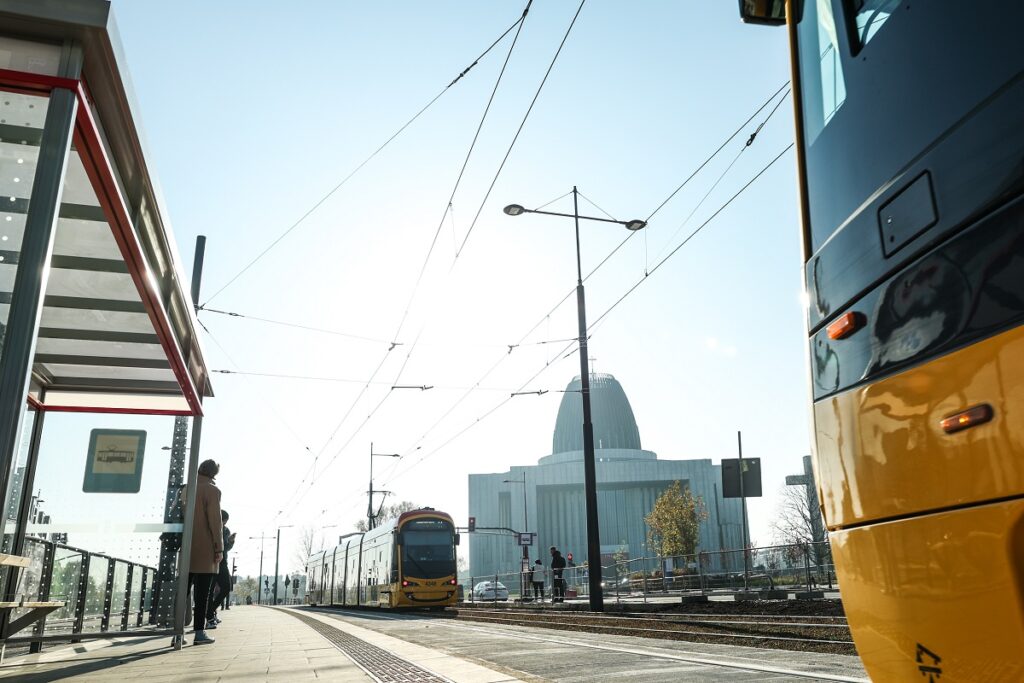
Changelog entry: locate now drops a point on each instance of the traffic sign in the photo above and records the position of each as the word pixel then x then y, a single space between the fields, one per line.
pixel 526 538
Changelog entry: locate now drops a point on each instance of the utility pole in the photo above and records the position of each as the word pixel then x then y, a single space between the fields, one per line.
pixel 259 581
pixel 371 516
pixel 743 503
pixel 277 556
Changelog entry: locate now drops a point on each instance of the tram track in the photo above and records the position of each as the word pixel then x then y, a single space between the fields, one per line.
pixel 754 630
pixel 585 640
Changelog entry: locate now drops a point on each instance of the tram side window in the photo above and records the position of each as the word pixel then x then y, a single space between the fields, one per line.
pixel 869 16
pixel 821 67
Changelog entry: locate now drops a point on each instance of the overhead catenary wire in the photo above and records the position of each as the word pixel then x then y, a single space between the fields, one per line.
pixel 715 153
pixel 367 160
pixel 422 271
pixel 592 326
pixel 518 26
pixel 568 295
pixel 689 237
pixel 630 236
pixel 494 180
pixel 522 123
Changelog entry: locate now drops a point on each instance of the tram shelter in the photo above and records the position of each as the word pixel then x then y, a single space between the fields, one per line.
pixel 95 316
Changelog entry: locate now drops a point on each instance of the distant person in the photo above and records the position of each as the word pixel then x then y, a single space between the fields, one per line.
pixel 557 582
pixel 223 580
pixel 207 547
pixel 537 578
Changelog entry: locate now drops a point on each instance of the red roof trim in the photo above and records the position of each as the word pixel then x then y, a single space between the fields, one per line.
pixel 99 170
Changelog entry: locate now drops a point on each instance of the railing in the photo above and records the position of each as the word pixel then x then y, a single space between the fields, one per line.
pixel 100 593
pixel 801 568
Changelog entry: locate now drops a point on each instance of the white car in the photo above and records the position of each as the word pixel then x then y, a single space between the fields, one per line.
pixel 489 590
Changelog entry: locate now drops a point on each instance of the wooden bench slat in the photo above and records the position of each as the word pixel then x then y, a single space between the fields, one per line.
pixel 14 561
pixel 34 605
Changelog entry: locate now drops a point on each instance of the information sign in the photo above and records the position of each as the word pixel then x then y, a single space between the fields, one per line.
pixel 114 461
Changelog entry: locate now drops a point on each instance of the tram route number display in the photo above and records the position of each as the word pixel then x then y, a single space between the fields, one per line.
pixel 113 463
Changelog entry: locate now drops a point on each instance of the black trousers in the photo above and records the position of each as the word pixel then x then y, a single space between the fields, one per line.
pixel 558 589
pixel 538 590
pixel 223 581
pixel 202 583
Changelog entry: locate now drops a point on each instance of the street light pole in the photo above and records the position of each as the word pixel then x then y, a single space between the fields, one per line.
pixel 277 557
pixel 589 465
pixel 259 580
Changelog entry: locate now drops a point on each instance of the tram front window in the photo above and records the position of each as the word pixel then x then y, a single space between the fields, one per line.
pixel 428 549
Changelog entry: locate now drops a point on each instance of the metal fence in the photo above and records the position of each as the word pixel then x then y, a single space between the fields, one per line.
pixel 100 593
pixel 800 568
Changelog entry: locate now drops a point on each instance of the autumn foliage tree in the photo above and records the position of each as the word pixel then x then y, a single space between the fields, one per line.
pixel 673 525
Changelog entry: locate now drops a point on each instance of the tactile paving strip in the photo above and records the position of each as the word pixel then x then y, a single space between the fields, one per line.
pixel 380 664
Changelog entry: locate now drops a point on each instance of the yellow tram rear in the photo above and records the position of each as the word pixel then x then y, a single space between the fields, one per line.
pixel 911 163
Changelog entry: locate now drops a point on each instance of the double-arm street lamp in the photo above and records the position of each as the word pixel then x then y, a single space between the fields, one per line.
pixel 371 515
pixel 589 468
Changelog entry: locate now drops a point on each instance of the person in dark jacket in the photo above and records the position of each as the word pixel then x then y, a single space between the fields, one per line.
pixel 223 580
pixel 557 582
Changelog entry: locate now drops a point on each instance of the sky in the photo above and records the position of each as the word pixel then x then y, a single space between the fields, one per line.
pixel 253 112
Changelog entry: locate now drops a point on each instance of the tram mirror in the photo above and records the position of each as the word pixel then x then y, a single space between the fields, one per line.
pixel 767 12
pixel 399 538
pixel 457 539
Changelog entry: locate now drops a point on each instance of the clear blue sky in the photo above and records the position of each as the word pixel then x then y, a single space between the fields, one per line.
pixel 254 110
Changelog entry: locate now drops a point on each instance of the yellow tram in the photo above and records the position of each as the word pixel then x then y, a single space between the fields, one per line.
pixel 910 146
pixel 408 562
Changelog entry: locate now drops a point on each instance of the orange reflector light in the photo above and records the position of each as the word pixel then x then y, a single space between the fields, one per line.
pixel 843 326
pixel 965 419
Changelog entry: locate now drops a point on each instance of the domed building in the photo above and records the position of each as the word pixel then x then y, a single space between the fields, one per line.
pixel 629 480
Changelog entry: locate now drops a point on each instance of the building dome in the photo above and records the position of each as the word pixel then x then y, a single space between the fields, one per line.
pixel 614 424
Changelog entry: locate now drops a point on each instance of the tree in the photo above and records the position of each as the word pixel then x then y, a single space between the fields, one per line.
pixel 388 513
pixel 797 523
pixel 246 588
pixel 310 541
pixel 673 525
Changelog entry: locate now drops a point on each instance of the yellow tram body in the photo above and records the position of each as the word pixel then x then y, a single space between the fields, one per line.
pixel 408 562
pixel 909 149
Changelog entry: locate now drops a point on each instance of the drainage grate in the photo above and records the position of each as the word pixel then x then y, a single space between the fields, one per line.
pixel 380 664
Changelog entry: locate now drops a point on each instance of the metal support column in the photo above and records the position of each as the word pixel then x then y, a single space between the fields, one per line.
pixel 28 479
pixel 83 592
pixel 26 307
pixel 182 590
pixel 108 595
pixel 170 541
pixel 45 583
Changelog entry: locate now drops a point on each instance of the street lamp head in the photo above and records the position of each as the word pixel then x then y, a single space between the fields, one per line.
pixel 514 209
pixel 636 224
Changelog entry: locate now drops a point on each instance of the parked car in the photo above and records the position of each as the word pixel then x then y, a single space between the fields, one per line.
pixel 489 590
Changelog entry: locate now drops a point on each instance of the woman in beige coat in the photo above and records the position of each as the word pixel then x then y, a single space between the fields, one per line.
pixel 207 546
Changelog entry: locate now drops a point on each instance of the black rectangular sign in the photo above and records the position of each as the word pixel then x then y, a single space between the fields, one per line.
pixel 751 477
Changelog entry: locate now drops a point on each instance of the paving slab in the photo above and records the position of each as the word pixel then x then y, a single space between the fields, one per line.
pixel 253 644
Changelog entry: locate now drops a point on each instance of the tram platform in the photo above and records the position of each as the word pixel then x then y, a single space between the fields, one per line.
pixel 289 644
